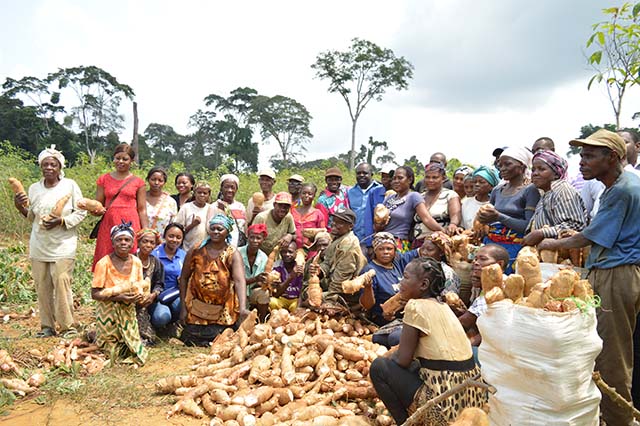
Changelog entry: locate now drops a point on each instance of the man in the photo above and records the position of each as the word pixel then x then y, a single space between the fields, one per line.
pixel 496 155
pixel 343 259
pixel 333 197
pixel 266 180
pixel 436 157
pixel 358 196
pixel 294 185
pixel 631 139
pixel 376 196
pixel 614 261
pixel 280 226
pixel 543 144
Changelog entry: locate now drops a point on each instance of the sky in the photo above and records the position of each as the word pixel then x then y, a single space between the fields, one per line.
pixel 487 74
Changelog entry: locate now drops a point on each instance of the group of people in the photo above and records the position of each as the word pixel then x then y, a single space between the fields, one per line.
pixel 209 261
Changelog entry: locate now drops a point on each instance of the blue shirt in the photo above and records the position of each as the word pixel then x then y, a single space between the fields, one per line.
pixel 358 200
pixel 615 229
pixel 172 267
pixel 376 196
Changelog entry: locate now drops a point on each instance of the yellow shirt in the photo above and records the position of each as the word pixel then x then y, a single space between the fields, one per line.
pixel 442 336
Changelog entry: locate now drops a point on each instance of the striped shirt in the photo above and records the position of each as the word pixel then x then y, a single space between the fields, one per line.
pixel 560 208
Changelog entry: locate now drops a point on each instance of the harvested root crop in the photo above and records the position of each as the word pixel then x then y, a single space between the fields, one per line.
pixel 514 287
pixel 355 285
pixel 381 215
pixel 92 206
pixel 491 276
pixel 528 265
pixel 494 295
pixel 18 188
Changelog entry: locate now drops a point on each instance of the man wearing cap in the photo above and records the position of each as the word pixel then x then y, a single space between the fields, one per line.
pixel 343 259
pixel 294 185
pixel 266 180
pixel 280 225
pixel 614 261
pixel 358 196
pixel 333 197
pixel 376 196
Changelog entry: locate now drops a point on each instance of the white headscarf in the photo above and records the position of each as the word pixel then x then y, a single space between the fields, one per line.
pixel 232 178
pixel 52 152
pixel 521 154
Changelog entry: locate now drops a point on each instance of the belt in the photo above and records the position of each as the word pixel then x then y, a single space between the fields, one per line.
pixel 441 365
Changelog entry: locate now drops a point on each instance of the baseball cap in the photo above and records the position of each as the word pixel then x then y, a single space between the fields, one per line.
pixel 333 171
pixel 605 138
pixel 267 172
pixel 498 151
pixel 347 215
pixel 283 198
pixel 296 178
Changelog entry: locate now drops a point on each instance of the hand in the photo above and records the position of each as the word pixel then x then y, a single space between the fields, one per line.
pixel 100 212
pixel 488 214
pixel 195 221
pixel 51 222
pixel 547 244
pixel 242 315
pixel 128 298
pixel 256 210
pixel 222 205
pixel 20 199
pixel 314 269
pixel 286 240
pixel 533 238
pixel 262 278
pixel 148 299
pixel 298 270
pixel 452 229
pixel 378 227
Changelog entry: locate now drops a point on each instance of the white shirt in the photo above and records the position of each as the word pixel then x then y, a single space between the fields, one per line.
pixel 470 207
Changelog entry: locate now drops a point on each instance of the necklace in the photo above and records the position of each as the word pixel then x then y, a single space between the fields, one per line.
pixel 148 263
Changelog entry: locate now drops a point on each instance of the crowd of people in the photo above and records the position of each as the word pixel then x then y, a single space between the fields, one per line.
pixel 209 260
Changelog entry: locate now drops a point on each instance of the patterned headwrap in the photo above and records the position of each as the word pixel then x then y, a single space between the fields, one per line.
pixel 258 228
pixel 220 219
pixel 443 242
pixel 465 170
pixel 52 152
pixel 232 178
pixel 556 163
pixel 124 228
pixel 382 238
pixel 435 167
pixel 148 231
pixel 520 154
pixel 488 174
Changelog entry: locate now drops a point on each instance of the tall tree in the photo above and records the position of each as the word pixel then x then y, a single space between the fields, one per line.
pixel 368 153
pixel 616 55
pixel 165 144
pixel 204 145
pixel 360 74
pixel 238 147
pixel 286 121
pixel 98 96
pixel 239 104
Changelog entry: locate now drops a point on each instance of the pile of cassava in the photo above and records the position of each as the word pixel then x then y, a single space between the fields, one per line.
pixel 295 369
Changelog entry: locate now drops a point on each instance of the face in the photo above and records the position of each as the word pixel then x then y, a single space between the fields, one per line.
pixel 280 211
pixel 542 175
pixel 385 253
pixel 385 180
pixel 322 244
pixel 363 175
pixel 122 244
pixel 458 182
pixel 183 185
pixel 50 168
pixel 228 190
pixel 294 186
pixel 340 227
pixel 202 196
pixel 146 244
pixel 156 181
pixel 122 161
pixel 540 146
pixel 333 183
pixel 433 180
pixel 483 258
pixel 594 162
pixel 481 186
pixel 255 239
pixel 400 182
pixel 288 253
pixel 173 238
pixel 413 283
pixel 218 233
pixel 438 158
pixel 510 168
pixel 469 188
pixel 432 250
pixel 307 195
pixel 266 183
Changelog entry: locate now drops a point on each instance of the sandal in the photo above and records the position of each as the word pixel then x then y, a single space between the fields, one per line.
pixel 45 332
pixel 69 333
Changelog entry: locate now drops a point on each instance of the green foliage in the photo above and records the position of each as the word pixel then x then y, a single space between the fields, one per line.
pixel 589 129
pixel 368 154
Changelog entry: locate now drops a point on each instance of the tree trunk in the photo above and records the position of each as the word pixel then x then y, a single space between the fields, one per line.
pixel 352 153
pixel 134 143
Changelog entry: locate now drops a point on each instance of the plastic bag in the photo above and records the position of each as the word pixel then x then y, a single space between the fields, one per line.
pixel 540 363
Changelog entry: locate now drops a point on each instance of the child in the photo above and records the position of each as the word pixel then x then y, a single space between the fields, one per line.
pixel 193 216
pixel 484 180
pixel 287 294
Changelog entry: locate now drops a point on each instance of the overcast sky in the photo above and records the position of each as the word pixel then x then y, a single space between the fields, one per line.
pixel 487 74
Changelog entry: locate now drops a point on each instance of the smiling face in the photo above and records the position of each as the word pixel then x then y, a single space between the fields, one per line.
pixel 307 195
pixel 385 253
pixel 122 245
pixel 333 183
pixel 173 238
pixel 363 175
pixel 266 183
pixel 542 175
pixel 288 253
pixel 218 233
pixel 50 169
pixel 228 189
pixel 146 244
pixel 183 185
pixel 510 168
pixel 279 211
pixel 122 162
pixel 156 182
pixel 433 180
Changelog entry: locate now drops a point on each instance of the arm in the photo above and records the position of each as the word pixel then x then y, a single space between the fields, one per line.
pixel 96 294
pixel 455 212
pixel 141 204
pixel 408 344
pixel 468 320
pixel 425 217
pixel 367 297
pixel 575 241
pixel 18 201
pixel 237 273
pixel 185 274
pixel 76 216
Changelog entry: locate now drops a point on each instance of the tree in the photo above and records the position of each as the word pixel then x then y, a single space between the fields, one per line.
pixel 368 153
pixel 286 121
pixel 616 58
pixel 361 74
pixel 589 129
pixel 165 144
pixel 415 164
pixel 99 95
pixel 239 146
pixel 204 145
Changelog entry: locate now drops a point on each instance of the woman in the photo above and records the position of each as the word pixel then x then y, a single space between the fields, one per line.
pixel 459 176
pixel 433 341
pixel 124 197
pixel 254 261
pixel 305 215
pixel 167 311
pixel 561 207
pixel 161 208
pixel 439 247
pixel 229 185
pixel 212 286
pixel 404 205
pixel 484 180
pixel 512 204
pixel 443 204
pixel 116 325
pixel 53 243
pixel 193 216
pixel 469 188
pixel 184 183
pixel 149 239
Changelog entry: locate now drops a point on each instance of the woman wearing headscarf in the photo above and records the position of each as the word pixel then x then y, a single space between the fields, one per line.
pixel 561 207
pixel 212 285
pixel 229 185
pixel 459 175
pixel 53 241
pixel 484 180
pixel 116 324
pixel 512 203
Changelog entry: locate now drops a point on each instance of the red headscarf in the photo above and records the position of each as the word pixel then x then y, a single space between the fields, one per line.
pixel 258 228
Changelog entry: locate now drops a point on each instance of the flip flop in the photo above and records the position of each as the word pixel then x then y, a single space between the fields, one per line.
pixel 69 333
pixel 45 332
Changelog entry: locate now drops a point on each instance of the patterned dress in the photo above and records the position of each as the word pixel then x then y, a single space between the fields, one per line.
pixel 163 213
pixel 116 324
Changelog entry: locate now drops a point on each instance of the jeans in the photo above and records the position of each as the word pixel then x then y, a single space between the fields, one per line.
pixel 387 339
pixel 161 315
pixel 396 386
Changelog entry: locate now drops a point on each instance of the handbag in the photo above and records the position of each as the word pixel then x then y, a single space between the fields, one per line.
pixel 206 310
pixel 96 228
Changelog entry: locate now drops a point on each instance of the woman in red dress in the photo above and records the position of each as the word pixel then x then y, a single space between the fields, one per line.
pixel 307 216
pixel 130 205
